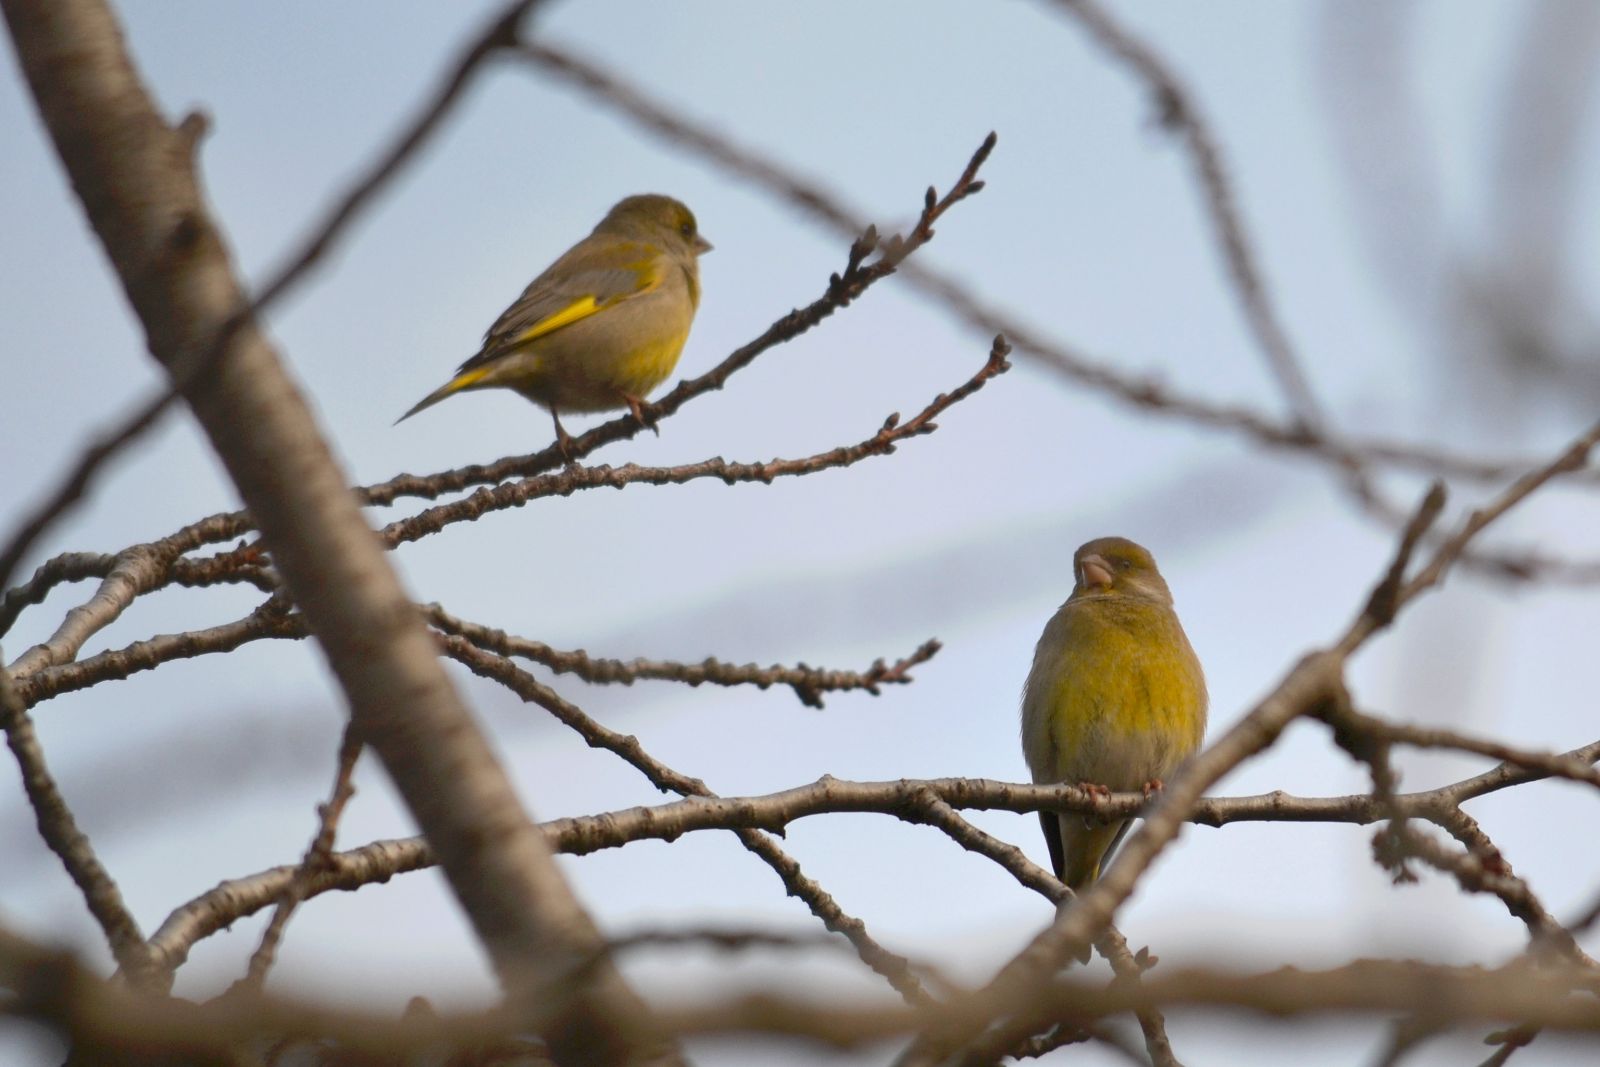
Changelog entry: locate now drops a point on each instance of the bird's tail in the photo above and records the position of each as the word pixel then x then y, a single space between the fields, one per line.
pixel 465 380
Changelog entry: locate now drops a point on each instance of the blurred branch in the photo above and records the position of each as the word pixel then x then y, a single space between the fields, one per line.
pixel 72 488
pixel 1524 288
pixel 1178 112
pixel 1111 944
pixel 913 800
pixel 186 369
pixel 53 989
pixel 137 181
pixel 1315 682
pixel 895 969
pixel 1144 394
pixel 316 554
pixel 42 681
pixel 953 297
pixel 1390 162
pixel 1455 994
pixel 316 857
pixel 572 478
pixel 861 272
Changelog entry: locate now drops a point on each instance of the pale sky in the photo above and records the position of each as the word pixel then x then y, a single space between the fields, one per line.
pixel 1089 232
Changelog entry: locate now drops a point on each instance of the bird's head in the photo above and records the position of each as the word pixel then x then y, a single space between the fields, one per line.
pixel 1116 566
pixel 656 218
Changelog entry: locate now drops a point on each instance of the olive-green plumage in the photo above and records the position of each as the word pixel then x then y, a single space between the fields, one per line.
pixel 604 324
pixel 1115 698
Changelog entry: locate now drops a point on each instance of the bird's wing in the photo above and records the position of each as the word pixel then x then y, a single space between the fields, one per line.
pixel 575 286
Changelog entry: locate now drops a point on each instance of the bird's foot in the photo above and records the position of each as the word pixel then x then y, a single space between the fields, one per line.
pixel 563 441
pixel 1153 788
pixel 643 412
pixel 1095 789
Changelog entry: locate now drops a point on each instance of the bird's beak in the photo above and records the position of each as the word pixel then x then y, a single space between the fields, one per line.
pixel 702 246
pixel 1096 573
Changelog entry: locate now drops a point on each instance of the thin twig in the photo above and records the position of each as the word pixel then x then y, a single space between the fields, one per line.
pixel 808 683
pixel 1178 111
pixel 1142 393
pixel 316 857
pixel 499 34
pixel 905 798
pixel 1314 682
pixel 573 478
pixel 894 968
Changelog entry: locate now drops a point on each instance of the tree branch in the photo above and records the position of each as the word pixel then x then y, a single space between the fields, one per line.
pixel 135 176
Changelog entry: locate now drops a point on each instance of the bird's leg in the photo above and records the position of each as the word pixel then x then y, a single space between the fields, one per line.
pixel 642 411
pixel 563 438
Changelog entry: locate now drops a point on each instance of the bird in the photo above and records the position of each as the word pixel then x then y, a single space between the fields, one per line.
pixel 601 326
pixel 1115 699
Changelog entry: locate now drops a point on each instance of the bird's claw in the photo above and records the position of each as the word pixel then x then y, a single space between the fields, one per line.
pixel 563 441
pixel 643 413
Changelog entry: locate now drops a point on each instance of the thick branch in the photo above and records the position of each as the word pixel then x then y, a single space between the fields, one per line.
pixel 135 176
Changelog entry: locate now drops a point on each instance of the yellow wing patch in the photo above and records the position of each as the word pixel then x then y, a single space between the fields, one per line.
pixel 647 274
pixel 467 378
pixel 578 309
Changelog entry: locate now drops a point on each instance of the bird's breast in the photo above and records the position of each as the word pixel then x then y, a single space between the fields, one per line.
pixel 1116 696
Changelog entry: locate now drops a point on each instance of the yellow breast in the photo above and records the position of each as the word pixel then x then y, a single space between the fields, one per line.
pixel 1116 695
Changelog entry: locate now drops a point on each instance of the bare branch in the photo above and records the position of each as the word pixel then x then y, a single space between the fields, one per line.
pixel 189 367
pixel 1110 944
pixel 905 798
pixel 808 683
pixel 1178 111
pixel 136 571
pixel 71 845
pixel 895 969
pixel 136 179
pixel 573 477
pixel 1143 394
pixel 54 989
pixel 1574 458
pixel 860 273
pixel 1315 682
pixel 76 483
pixel 317 856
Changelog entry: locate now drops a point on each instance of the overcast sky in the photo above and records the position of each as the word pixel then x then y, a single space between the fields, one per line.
pixel 1090 232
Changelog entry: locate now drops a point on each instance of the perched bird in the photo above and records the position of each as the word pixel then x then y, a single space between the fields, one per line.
pixel 604 324
pixel 1115 699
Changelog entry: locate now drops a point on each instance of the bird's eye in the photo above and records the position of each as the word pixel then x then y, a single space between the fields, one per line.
pixel 1124 564
pixel 687 229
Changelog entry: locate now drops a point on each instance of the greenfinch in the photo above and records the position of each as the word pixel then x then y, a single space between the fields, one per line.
pixel 603 325
pixel 1115 699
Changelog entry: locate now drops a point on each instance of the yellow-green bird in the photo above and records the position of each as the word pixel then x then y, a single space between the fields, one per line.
pixel 1115 699
pixel 604 324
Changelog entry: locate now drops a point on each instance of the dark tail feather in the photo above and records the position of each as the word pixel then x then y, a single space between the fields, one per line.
pixel 464 380
pixel 426 402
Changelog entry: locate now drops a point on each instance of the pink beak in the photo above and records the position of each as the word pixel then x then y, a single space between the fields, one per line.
pixel 1096 573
